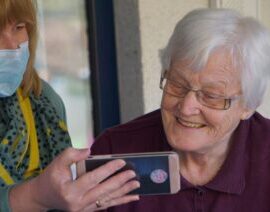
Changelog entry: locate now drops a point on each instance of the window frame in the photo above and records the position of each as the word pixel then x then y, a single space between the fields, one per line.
pixel 103 64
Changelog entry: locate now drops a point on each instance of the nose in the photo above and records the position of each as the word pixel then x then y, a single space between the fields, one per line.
pixel 189 104
pixel 8 41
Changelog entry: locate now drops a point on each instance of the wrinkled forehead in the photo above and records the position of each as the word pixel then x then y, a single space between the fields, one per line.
pixel 220 66
pixel 218 61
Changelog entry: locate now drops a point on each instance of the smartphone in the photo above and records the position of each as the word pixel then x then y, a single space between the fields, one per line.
pixel 157 172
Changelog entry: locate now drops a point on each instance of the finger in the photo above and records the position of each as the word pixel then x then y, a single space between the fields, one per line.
pixel 108 186
pixel 124 190
pixel 93 178
pixel 60 167
pixel 119 201
pixel 72 155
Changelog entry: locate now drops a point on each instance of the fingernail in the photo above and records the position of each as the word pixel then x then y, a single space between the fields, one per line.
pixel 132 174
pixel 136 184
pixel 121 163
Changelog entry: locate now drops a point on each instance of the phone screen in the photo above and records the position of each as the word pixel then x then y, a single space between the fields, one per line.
pixel 152 172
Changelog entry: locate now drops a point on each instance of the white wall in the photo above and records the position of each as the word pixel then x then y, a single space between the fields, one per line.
pixel 158 19
pixel 143 28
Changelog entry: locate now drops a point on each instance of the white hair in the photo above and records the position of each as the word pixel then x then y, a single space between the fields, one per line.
pixel 203 31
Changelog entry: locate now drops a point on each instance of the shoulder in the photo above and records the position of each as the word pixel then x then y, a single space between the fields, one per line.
pixel 259 126
pixel 258 153
pixel 55 99
pixel 139 135
pixel 257 129
pixel 48 91
pixel 259 137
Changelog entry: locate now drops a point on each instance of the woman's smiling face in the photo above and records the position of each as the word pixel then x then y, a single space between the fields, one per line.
pixel 193 127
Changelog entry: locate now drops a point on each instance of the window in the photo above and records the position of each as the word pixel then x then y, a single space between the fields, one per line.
pixel 62 60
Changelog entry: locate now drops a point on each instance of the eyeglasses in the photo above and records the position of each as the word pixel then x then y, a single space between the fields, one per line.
pixel 205 98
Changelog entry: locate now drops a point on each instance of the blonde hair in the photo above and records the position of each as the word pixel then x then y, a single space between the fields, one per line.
pixel 24 11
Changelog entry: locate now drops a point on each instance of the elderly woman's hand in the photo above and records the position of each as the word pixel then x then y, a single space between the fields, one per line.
pixel 54 188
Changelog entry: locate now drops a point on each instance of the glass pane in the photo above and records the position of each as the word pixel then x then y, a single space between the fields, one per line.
pixel 62 60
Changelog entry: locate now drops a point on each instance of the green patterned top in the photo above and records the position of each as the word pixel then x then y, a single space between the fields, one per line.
pixel 52 137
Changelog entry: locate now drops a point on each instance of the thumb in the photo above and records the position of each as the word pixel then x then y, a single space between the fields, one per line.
pixel 72 155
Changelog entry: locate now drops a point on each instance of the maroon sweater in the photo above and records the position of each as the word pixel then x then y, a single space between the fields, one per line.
pixel 242 184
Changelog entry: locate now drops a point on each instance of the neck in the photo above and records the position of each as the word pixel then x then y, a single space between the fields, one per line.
pixel 201 167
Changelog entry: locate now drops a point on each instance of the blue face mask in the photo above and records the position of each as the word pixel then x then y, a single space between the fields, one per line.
pixel 12 67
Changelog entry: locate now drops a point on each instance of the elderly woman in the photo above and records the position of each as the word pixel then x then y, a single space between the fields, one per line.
pixel 215 69
pixel 33 175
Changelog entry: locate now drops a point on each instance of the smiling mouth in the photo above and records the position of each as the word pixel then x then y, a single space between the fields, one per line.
pixel 189 124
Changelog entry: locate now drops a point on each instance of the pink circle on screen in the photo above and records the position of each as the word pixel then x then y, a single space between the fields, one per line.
pixel 158 176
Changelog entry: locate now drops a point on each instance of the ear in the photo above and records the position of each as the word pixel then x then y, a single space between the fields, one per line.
pixel 247 113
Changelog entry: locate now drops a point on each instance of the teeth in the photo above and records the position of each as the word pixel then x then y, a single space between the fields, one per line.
pixel 189 124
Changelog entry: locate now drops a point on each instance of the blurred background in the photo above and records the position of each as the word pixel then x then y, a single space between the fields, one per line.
pixel 63 61
pixel 102 56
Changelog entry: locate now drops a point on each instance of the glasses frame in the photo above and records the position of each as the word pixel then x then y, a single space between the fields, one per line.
pixel 227 100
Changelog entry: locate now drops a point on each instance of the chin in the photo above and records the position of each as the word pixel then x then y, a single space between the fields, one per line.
pixel 186 146
pixel 188 142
